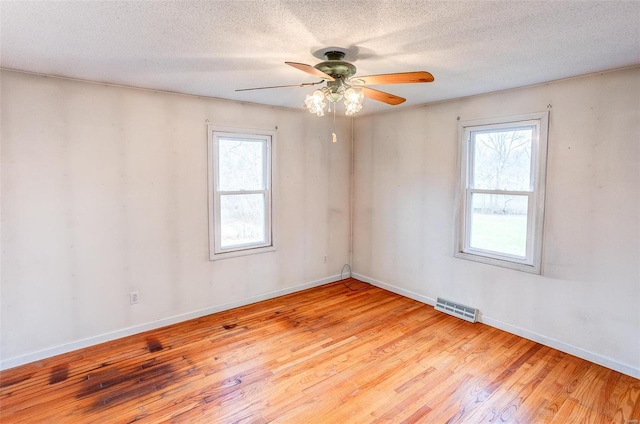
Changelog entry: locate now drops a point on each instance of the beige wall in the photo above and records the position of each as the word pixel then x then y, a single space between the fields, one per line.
pixel 104 191
pixel 586 300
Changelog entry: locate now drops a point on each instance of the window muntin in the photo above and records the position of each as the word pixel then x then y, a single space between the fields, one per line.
pixel 240 192
pixel 502 173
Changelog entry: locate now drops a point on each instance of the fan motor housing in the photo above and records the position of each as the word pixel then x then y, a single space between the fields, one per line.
pixel 335 66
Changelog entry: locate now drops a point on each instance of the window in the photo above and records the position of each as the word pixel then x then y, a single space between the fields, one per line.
pixel 501 213
pixel 240 197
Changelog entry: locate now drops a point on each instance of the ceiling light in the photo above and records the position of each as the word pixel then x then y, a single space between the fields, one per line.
pixel 341 83
pixel 353 98
pixel 315 102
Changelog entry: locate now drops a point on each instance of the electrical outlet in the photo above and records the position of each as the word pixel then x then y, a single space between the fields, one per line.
pixel 324 259
pixel 133 297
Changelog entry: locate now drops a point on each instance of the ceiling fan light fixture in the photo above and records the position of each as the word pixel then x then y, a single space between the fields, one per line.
pixel 334 96
pixel 353 99
pixel 315 102
pixel 342 84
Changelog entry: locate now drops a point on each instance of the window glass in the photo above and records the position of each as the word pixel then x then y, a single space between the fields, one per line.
pixel 242 219
pixel 502 159
pixel 241 164
pixel 499 223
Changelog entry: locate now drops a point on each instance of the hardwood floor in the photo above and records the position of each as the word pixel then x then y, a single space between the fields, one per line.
pixel 325 355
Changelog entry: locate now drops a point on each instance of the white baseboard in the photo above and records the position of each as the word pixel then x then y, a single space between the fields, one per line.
pixel 395 289
pixel 510 328
pixel 90 341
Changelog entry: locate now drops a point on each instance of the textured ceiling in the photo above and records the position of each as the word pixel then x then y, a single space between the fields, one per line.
pixel 211 48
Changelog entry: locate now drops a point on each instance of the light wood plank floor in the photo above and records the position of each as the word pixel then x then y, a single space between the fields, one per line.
pixel 324 355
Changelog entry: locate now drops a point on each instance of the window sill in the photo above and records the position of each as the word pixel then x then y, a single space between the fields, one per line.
pixel 533 269
pixel 238 253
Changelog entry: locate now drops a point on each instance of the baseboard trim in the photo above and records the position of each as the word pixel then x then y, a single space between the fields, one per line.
pixel 389 287
pixel 106 337
pixel 509 328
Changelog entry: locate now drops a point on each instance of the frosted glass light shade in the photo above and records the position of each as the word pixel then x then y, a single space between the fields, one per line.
pixel 315 102
pixel 353 99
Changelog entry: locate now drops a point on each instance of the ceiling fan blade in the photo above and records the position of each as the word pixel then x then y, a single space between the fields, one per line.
pixel 381 96
pixel 304 84
pixel 400 78
pixel 311 70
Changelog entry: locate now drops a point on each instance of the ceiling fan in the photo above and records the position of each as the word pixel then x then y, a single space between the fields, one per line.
pixel 341 83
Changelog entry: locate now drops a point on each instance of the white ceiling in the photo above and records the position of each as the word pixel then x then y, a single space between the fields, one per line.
pixel 211 48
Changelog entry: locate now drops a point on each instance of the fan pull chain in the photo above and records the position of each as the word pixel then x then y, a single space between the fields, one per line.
pixel 333 134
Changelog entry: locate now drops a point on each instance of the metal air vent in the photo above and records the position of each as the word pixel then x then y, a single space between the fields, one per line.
pixel 457 310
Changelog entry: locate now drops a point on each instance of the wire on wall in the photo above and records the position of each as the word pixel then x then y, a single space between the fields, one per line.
pixel 342 277
pixel 348 277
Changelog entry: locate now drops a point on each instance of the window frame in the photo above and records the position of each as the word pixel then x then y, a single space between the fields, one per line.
pixel 532 261
pixel 215 132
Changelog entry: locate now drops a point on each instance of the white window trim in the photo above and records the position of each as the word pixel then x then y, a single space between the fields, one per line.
pixel 215 252
pixel 532 264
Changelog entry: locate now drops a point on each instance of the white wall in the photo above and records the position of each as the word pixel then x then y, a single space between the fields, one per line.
pixel 104 191
pixel 587 299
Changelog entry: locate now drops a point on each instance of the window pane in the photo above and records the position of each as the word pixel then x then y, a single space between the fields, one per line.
pixel 241 164
pixel 502 159
pixel 242 220
pixel 499 223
